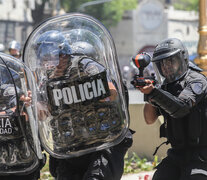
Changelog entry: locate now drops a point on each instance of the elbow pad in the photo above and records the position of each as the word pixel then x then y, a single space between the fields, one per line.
pixel 175 107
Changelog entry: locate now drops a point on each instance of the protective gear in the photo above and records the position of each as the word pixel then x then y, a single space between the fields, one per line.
pixel 84 106
pixel 85 42
pixel 85 48
pixel 191 117
pixel 50 45
pixel 172 105
pixel 170 60
pixel 2 48
pixel 20 152
pixel 181 100
pixel 14 45
pixel 14 48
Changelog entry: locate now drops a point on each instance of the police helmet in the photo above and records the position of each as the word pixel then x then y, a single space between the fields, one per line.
pixel 50 45
pixel 14 45
pixel 81 47
pixel 170 60
pixel 90 62
pixel 15 49
pixel 2 48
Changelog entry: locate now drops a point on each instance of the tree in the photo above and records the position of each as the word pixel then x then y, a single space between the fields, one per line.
pixel 38 12
pixel 188 5
pixel 109 13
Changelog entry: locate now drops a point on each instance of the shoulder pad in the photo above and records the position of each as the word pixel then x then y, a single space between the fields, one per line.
pixel 194 67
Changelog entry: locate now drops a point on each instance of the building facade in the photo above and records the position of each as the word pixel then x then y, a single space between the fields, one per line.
pixel 141 29
pixel 15 20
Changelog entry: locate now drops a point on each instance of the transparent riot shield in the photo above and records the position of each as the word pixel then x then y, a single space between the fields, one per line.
pixel 81 103
pixel 20 150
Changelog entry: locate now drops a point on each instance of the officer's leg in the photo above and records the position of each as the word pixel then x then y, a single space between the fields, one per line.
pixel 32 176
pixel 108 164
pixel 72 169
pixel 195 170
pixel 167 170
pixel 53 164
pixel 99 167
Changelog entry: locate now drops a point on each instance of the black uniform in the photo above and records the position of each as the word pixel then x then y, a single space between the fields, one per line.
pixel 184 127
pixel 105 164
pixel 181 99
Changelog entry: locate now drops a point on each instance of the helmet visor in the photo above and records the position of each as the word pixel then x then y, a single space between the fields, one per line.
pixel 48 53
pixel 170 69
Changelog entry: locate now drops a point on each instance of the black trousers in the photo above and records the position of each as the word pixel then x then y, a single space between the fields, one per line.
pixel 33 176
pixel 183 165
pixel 101 165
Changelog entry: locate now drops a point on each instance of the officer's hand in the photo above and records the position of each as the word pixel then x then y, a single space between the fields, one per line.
pixel 113 93
pixel 148 88
pixel 27 99
pixel 42 111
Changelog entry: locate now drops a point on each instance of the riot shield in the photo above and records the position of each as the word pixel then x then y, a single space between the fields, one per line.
pixel 81 103
pixel 20 150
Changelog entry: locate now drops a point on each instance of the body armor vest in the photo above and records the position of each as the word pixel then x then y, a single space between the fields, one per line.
pixel 189 130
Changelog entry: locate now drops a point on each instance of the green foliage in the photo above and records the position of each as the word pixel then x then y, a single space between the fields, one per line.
pixel 188 5
pixel 135 164
pixel 109 13
pixel 45 174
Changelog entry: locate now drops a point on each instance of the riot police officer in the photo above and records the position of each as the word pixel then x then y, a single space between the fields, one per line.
pixel 181 99
pixel 84 167
pixel 83 115
pixel 14 48
pixel 20 151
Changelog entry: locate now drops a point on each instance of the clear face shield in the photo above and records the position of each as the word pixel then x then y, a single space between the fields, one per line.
pixel 48 54
pixel 170 69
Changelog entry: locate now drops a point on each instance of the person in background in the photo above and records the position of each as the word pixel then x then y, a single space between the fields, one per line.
pixel 2 48
pixel 14 49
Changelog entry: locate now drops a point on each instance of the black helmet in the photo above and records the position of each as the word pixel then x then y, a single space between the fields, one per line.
pixel 81 47
pixel 170 60
pixel 50 45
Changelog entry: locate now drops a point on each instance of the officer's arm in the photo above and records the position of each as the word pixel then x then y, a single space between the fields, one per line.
pixel 174 106
pixel 180 106
pixel 150 114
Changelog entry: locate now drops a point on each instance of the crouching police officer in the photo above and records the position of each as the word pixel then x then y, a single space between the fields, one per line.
pixel 20 152
pixel 83 115
pixel 181 99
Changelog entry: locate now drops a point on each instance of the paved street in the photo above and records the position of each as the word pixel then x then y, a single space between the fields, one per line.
pixel 139 176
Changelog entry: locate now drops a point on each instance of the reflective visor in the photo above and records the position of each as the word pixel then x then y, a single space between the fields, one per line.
pixel 170 69
pixel 48 52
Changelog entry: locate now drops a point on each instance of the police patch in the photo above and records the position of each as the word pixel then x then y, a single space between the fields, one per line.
pixel 197 87
pixel 65 93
